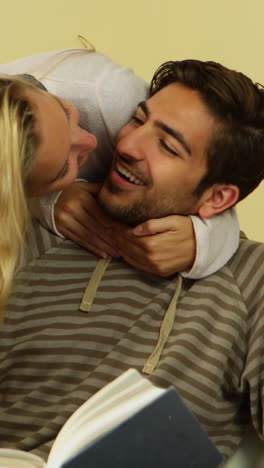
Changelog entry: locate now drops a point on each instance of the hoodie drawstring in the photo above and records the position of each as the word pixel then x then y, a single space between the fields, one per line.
pixel 93 284
pixel 165 329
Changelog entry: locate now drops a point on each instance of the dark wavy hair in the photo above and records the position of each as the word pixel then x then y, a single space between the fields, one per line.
pixel 235 154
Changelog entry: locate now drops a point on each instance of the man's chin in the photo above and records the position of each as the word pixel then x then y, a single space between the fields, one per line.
pixel 128 214
pixel 109 187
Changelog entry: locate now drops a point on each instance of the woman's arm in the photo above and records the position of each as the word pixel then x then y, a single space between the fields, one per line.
pixel 163 246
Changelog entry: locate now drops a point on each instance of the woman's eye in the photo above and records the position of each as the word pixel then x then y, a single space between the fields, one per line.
pixel 168 148
pixel 67 112
pixel 66 169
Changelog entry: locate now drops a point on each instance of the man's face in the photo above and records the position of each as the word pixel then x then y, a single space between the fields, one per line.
pixel 160 158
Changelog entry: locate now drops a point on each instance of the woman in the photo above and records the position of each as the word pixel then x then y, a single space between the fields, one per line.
pixel 41 152
pixel 48 147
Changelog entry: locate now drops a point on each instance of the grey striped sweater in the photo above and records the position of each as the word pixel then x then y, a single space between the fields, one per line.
pixel 54 356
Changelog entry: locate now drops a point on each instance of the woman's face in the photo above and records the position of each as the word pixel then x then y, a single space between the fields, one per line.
pixel 64 146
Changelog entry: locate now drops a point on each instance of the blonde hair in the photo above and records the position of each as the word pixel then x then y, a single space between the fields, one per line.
pixel 18 149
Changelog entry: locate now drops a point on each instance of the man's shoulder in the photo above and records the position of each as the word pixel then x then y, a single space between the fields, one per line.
pixel 238 285
pixel 244 270
pixel 247 264
pixel 248 252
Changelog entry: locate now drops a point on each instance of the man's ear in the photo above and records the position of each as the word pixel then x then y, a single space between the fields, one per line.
pixel 218 198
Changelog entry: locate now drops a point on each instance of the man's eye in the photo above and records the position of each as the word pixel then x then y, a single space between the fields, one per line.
pixel 168 148
pixel 137 120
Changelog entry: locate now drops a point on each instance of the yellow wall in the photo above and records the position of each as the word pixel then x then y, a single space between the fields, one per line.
pixel 143 34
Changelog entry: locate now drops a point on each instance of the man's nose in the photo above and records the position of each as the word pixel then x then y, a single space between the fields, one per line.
pixel 133 143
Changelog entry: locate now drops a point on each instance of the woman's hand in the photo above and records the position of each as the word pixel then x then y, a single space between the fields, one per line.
pixel 161 246
pixel 79 218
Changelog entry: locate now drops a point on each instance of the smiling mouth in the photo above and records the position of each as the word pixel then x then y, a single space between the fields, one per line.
pixel 127 175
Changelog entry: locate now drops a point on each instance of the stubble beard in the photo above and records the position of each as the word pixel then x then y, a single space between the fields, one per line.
pixel 142 210
pixel 132 214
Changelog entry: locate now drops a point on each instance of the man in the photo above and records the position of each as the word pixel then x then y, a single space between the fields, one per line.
pixel 150 144
pixel 74 323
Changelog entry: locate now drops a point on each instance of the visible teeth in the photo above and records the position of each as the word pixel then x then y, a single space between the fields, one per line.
pixel 129 176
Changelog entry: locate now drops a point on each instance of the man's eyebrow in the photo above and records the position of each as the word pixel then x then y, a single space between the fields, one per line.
pixel 171 131
pixel 144 107
pixel 175 134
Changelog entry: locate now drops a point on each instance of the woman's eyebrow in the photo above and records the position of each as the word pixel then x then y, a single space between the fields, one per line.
pixel 65 165
pixel 62 106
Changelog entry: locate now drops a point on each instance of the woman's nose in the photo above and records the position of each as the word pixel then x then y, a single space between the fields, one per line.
pixel 86 140
pixel 86 143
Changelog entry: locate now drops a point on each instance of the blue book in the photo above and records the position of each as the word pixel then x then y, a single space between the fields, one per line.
pixel 131 423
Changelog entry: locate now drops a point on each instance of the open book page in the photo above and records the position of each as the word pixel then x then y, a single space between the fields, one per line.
pixel 103 411
pixel 10 458
pixel 110 406
pixel 128 423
